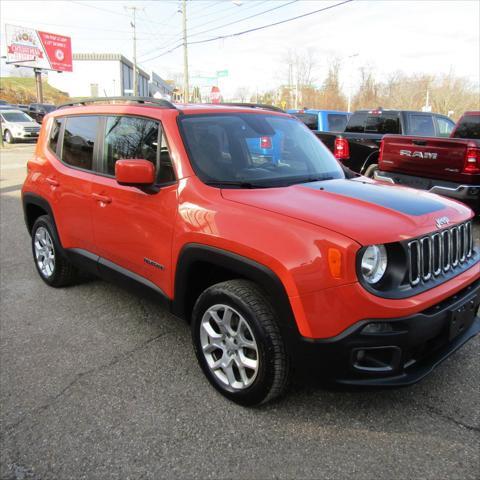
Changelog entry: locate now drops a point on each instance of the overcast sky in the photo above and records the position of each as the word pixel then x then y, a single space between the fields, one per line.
pixel 413 36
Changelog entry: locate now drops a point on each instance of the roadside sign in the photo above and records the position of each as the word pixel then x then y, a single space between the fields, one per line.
pixel 222 73
pixel 27 47
pixel 215 95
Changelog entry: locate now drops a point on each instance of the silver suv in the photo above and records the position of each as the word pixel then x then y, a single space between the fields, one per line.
pixel 17 125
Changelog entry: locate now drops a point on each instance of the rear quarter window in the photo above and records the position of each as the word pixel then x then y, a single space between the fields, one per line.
pixel 337 122
pixel 469 127
pixel 55 134
pixel 309 119
pixel 356 124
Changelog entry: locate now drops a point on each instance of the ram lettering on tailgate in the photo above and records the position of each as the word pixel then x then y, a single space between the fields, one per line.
pixel 426 155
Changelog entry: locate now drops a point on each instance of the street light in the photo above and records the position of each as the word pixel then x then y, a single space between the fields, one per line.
pixel 349 101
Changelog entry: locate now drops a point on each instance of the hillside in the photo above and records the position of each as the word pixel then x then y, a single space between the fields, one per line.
pixel 23 90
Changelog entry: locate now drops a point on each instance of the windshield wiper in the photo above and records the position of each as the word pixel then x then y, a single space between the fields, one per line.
pixel 240 184
pixel 310 179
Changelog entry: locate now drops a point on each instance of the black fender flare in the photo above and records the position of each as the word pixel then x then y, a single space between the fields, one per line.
pixel 245 268
pixel 29 198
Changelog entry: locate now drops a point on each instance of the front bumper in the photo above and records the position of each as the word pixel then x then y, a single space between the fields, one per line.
pixel 412 348
pixel 26 135
pixel 458 191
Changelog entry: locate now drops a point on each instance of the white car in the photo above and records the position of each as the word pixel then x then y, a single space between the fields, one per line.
pixel 17 125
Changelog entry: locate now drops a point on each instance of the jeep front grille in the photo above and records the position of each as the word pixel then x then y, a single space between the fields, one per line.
pixel 438 253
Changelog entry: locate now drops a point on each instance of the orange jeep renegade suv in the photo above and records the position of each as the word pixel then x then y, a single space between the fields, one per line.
pixel 246 226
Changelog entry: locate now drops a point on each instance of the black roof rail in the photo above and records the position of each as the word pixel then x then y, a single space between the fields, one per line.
pixel 158 102
pixel 253 105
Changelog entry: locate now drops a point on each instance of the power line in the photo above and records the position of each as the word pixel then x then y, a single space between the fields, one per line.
pixel 244 32
pixel 219 19
pixel 172 42
pixel 207 6
pixel 115 13
pixel 245 18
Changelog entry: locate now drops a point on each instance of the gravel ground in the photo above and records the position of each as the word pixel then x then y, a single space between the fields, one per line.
pixel 96 383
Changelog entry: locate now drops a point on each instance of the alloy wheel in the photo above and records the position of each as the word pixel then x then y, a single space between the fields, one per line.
pixel 44 252
pixel 229 347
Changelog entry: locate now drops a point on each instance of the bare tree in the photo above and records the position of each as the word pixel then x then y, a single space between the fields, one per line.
pixel 242 94
pixel 300 67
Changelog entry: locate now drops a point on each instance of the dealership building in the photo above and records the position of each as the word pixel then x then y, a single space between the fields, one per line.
pixel 103 74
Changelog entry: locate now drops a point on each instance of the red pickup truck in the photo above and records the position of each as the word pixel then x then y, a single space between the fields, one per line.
pixel 447 166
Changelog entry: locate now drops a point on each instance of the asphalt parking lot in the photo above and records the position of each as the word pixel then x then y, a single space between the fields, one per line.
pixel 98 383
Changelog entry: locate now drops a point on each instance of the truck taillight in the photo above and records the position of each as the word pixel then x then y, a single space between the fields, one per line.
pixel 341 150
pixel 265 142
pixel 472 160
pixel 380 153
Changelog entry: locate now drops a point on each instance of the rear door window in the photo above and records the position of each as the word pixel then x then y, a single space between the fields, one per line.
pixel 337 122
pixel 421 125
pixel 383 123
pixel 469 127
pixel 79 141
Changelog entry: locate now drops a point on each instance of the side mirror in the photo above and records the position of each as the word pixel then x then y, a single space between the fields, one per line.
pixel 134 172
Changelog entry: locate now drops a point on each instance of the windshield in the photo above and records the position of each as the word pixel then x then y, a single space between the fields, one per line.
pixel 247 150
pixel 16 117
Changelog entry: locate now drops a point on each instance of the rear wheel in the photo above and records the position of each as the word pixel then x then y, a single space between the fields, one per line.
pixel 238 343
pixel 9 137
pixel 54 269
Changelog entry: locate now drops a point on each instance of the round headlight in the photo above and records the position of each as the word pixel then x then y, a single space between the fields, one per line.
pixel 374 263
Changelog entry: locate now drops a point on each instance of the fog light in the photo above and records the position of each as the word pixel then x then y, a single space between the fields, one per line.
pixel 378 327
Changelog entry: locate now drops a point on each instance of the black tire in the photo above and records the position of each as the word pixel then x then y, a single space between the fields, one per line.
pixel 370 172
pixel 273 372
pixel 9 137
pixel 64 273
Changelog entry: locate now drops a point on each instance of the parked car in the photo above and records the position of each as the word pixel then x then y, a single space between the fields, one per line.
pixel 22 107
pixel 358 147
pixel 17 125
pixel 449 167
pixel 322 120
pixel 283 267
pixel 38 110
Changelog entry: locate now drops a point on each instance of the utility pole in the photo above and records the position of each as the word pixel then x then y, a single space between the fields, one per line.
pixel 186 94
pixel 134 26
pixel 38 82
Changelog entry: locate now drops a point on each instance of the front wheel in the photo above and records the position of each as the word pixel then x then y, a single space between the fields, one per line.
pixel 9 137
pixel 238 343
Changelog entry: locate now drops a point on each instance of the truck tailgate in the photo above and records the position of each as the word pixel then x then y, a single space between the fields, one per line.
pixel 441 158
